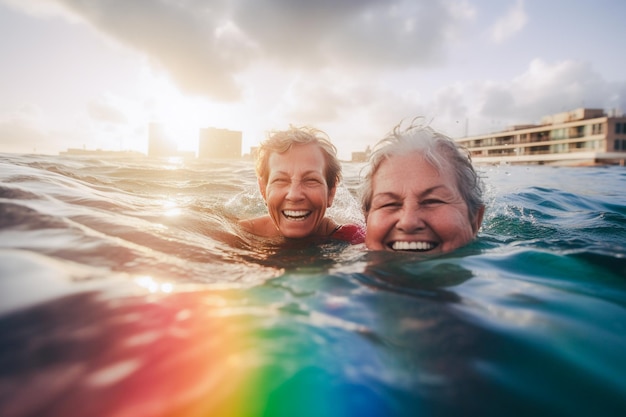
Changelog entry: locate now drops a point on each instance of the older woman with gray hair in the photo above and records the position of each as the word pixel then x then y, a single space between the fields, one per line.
pixel 420 193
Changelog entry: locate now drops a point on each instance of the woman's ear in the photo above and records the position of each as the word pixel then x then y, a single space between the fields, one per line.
pixel 479 219
pixel 331 196
pixel 262 186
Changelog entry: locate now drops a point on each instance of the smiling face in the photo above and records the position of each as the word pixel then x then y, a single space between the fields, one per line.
pixel 417 208
pixel 296 191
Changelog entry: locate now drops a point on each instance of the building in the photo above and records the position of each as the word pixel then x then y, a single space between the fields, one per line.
pixel 361 156
pixel 358 157
pixel 254 152
pixel 578 137
pixel 219 143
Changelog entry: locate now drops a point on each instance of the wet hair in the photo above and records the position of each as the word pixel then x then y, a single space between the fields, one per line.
pixel 437 149
pixel 281 141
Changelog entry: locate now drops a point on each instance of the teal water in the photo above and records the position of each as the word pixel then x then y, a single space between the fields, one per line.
pixel 126 290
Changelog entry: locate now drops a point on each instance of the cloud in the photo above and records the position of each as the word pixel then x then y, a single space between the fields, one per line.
pixel 510 24
pixel 324 97
pixel 499 101
pixel 379 33
pixel 559 87
pixel 21 131
pixel 449 103
pixel 194 43
pixel 103 110
pixel 28 129
pixel 204 45
pixel 355 112
pixel 18 137
pixel 544 89
pixel 353 68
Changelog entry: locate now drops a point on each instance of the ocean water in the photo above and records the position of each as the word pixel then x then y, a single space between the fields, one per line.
pixel 126 290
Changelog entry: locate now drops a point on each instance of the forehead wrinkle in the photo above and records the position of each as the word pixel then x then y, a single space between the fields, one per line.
pixel 310 171
pixel 386 194
pixel 421 194
pixel 296 176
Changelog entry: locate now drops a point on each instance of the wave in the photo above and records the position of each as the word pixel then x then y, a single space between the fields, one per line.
pixel 125 285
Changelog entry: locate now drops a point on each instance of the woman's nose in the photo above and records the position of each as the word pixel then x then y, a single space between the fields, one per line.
pixel 410 219
pixel 294 191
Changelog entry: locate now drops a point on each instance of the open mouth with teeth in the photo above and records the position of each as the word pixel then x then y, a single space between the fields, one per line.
pixel 296 215
pixel 414 246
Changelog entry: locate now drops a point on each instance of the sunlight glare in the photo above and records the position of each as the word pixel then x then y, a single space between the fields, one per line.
pixel 183 115
pixel 171 208
pixel 174 161
pixel 153 286
pixel 180 115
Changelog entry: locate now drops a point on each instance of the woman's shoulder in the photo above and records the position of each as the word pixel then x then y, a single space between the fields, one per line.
pixel 260 226
pixel 353 233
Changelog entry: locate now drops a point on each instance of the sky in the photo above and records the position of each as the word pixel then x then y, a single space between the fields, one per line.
pixel 93 74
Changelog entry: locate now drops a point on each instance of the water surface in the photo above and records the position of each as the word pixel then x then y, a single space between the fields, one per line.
pixel 126 289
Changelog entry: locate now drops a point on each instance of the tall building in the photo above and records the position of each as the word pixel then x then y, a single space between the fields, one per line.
pixel 361 156
pixel 159 144
pixel 578 137
pixel 219 143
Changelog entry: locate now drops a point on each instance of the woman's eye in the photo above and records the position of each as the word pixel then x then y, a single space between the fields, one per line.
pixel 431 202
pixel 390 204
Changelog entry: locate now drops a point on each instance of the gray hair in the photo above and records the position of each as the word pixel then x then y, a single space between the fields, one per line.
pixel 439 150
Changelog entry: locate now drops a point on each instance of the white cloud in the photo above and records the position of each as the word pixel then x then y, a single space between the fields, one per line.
pixel 509 24
pixel 558 87
pixel 543 89
pixel 20 130
pixel 104 110
pixel 27 129
pixel 369 109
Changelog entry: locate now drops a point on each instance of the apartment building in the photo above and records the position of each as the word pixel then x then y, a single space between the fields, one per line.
pixel 578 137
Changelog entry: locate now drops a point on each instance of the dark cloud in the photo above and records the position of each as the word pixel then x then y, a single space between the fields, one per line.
pixel 204 45
pixel 378 33
pixel 190 40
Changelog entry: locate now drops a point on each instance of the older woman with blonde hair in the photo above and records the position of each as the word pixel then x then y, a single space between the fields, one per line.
pixel 298 173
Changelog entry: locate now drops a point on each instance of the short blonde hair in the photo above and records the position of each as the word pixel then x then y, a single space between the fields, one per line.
pixel 281 141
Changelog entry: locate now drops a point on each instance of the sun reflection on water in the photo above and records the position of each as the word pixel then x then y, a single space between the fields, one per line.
pixel 171 208
pixel 153 286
